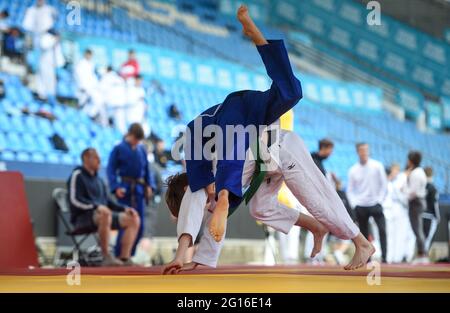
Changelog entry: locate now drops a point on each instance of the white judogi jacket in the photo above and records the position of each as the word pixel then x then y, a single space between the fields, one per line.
pixel 50 59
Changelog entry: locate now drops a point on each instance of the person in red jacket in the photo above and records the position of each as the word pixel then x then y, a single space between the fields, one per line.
pixel 130 69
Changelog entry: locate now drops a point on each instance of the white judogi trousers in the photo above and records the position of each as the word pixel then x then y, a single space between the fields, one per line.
pixel 294 166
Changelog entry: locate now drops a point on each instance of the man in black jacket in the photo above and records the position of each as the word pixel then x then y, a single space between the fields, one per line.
pixel 93 210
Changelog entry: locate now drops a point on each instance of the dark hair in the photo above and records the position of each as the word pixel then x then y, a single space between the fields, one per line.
pixel 325 143
pixel 136 130
pixel 87 51
pixel 131 51
pixel 53 32
pixel 5 13
pixel 85 152
pixel 415 157
pixel 360 144
pixel 175 192
pixel 109 68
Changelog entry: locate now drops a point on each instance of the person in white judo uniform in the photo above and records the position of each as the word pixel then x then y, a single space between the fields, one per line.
pixel 286 159
pixel 38 20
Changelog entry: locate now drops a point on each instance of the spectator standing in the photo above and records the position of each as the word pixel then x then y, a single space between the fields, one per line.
pixel 326 147
pixel 432 214
pixel 113 89
pixel 51 57
pixel 93 210
pixel 38 20
pixel 90 99
pixel 4 23
pixel 130 69
pixel 416 192
pixel 130 178
pixel 136 105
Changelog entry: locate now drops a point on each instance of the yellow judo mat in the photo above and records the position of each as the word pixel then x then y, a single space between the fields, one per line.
pixel 238 279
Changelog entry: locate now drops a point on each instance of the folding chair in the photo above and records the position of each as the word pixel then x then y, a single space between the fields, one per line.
pixel 78 242
pixel 433 221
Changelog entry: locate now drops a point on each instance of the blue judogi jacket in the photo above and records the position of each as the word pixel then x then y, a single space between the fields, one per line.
pixel 244 108
pixel 126 162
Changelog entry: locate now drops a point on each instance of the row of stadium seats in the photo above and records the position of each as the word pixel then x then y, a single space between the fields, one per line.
pixel 120 26
pixel 401 55
pixel 26 137
pixel 402 51
pixel 390 139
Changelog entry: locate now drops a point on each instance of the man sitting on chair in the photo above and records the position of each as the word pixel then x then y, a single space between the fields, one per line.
pixel 93 210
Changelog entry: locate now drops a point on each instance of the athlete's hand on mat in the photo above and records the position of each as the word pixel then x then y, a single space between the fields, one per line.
pixel 211 192
pixel 120 193
pixel 188 267
pixel 173 267
pixel 149 191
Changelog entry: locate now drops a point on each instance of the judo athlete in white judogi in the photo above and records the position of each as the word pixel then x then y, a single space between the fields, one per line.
pixel 113 89
pixel 136 105
pixel 51 57
pixel 286 159
pixel 289 243
pixel 401 238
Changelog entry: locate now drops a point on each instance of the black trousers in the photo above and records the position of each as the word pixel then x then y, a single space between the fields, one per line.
pixel 416 208
pixel 363 213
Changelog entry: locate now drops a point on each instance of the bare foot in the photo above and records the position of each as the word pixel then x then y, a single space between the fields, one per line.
pixel 219 220
pixel 318 239
pixel 364 250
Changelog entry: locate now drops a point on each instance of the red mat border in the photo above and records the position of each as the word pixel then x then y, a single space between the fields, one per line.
pixel 441 271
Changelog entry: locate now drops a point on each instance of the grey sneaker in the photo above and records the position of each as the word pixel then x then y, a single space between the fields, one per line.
pixel 111 261
pixel 128 262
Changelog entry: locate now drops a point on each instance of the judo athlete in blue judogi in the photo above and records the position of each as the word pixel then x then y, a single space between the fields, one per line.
pixel 212 190
pixel 129 177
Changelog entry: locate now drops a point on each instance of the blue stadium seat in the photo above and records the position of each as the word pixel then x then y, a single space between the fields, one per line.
pixel 5 123
pixel 2 141
pixel 60 129
pixel 52 157
pixel 31 124
pixel 44 143
pixel 29 143
pixel 67 159
pixel 17 124
pixel 45 126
